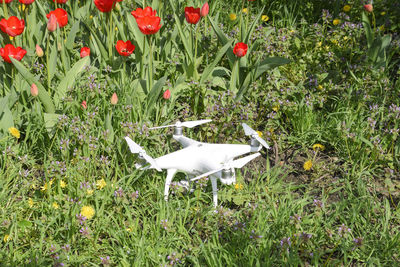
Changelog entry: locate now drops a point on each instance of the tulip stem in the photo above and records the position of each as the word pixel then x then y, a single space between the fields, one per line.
pixel 150 65
pixel 141 61
pixel 47 59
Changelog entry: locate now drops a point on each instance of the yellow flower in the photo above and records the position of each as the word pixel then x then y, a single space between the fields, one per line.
pixel 238 186
pixel 101 184
pixel 129 230
pixel 264 18
pixel 232 17
pixel 62 184
pixel 382 28
pixel 44 187
pixel 259 133
pixel 245 10
pixel 307 165
pixel 7 238
pixel 88 212
pixel 319 44
pixel 320 87
pixel 383 13
pixel 89 192
pixel 336 21
pixel 55 205
pixel 346 8
pixel 14 132
pixel 11 38
pixel 116 29
pixel 275 108
pixel 318 147
pixel 30 203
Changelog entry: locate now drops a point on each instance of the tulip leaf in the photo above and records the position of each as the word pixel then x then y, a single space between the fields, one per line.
pixel 218 58
pixel 120 26
pixel 108 126
pixel 97 42
pixel 368 31
pixel 269 63
pixel 6 117
pixel 70 78
pixel 71 36
pixel 223 40
pixel 154 94
pixel 50 120
pixel 252 27
pixel 44 96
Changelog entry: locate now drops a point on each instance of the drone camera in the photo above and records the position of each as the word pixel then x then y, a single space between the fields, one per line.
pixel 254 142
pixel 178 131
pixel 227 176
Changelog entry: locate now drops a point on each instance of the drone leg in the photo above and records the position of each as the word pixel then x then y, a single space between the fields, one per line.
pixel 170 175
pixel 215 191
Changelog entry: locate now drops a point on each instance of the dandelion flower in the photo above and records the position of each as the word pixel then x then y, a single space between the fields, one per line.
pixel 346 8
pixel 101 184
pixel 232 17
pixel 88 211
pixel 30 203
pixel 14 132
pixel 89 192
pixel 62 184
pixel 245 10
pixel 55 205
pixel 307 165
pixel 264 18
pixel 259 133
pixel 318 147
pixel 7 238
pixel 44 187
pixel 383 13
pixel 238 186
pixel 336 22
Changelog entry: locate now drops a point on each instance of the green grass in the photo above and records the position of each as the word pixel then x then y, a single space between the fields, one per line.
pixel 334 92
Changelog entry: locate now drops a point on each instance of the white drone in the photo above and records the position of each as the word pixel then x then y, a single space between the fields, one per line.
pixel 198 159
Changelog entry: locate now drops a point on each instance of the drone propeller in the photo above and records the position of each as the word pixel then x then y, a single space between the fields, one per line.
pixel 188 124
pixel 239 163
pixel 250 132
pixel 136 149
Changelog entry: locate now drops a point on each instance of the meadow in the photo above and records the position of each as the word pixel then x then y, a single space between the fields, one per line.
pixel 318 79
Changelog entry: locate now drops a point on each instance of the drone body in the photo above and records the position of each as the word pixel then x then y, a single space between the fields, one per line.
pixel 198 159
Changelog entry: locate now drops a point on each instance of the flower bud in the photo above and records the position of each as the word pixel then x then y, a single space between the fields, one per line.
pixel 34 90
pixel 167 94
pixel 84 104
pixel 369 8
pixel 114 99
pixel 52 23
pixel 204 10
pixel 39 51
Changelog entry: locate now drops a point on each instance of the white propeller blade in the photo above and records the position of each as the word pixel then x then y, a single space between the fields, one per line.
pixel 239 163
pixel 135 148
pixel 254 134
pixel 188 124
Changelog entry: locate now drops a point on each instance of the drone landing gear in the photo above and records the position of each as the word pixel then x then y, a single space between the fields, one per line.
pixel 214 191
pixel 170 174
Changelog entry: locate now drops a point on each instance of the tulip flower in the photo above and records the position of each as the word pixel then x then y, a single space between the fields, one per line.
pixel 240 49
pixel 104 5
pixel 204 10
pixel 167 94
pixel 39 51
pixel 52 23
pixel 192 15
pixel 114 99
pixel 60 1
pixel 61 16
pixel 26 2
pixel 34 90
pixel 149 24
pixel 13 26
pixel 369 8
pixel 124 48
pixel 10 51
pixel 7 1
pixel 146 12
pixel 85 51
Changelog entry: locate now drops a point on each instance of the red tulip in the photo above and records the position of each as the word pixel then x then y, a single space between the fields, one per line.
pixel 60 1
pixel 34 90
pixel 149 24
pixel 85 51
pixel 369 8
pixel 146 12
pixel 167 94
pixel 114 99
pixel 10 51
pixel 192 15
pixel 204 10
pixel 7 1
pixel 84 104
pixel 26 2
pixel 13 26
pixel 240 49
pixel 104 5
pixel 61 15
pixel 124 48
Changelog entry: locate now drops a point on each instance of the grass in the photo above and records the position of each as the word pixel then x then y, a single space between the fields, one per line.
pixel 334 92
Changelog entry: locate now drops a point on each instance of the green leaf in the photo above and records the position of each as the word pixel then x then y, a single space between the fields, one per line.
pixel 71 36
pixel 252 27
pixel 43 94
pixel 223 40
pixel 207 71
pixel 109 127
pixel 368 31
pixel 268 64
pixel 95 39
pixel 70 78
pixel 50 120
pixel 52 64
pixel 24 224
pixel 155 93
pixel 6 117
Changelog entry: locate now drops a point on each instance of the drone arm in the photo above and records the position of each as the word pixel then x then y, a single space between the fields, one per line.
pixel 170 174
pixel 185 141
